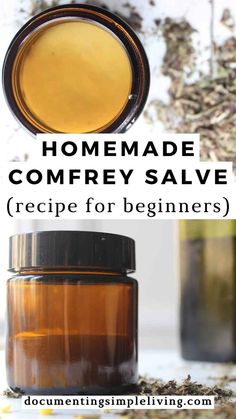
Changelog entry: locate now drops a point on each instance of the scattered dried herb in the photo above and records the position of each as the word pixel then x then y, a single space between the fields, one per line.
pixel 186 388
pixel 206 106
pixel 153 386
pixel 179 56
pixel 227 19
pixel 225 380
pixel 226 58
pixel 133 18
pixel 224 409
pixel 38 6
pixel 11 394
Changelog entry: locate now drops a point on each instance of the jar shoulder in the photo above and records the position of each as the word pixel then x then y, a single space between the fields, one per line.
pixel 73 278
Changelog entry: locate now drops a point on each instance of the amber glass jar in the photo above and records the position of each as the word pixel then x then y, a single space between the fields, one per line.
pixel 208 290
pixel 72 313
pixel 76 69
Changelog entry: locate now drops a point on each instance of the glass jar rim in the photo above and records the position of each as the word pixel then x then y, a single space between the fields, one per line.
pixel 125 34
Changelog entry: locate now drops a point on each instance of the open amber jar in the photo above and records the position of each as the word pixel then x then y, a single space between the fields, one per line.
pixel 76 69
pixel 72 313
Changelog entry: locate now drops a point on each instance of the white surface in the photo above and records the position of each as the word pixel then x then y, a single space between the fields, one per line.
pixel 165 365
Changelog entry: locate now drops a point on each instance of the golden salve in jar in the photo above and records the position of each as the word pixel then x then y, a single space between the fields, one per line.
pixel 76 69
pixel 74 76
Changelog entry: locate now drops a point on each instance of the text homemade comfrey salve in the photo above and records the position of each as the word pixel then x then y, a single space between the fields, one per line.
pixel 76 69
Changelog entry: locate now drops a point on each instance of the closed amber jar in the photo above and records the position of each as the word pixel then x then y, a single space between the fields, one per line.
pixel 72 314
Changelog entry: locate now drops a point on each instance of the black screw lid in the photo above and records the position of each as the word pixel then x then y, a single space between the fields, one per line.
pixel 72 249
